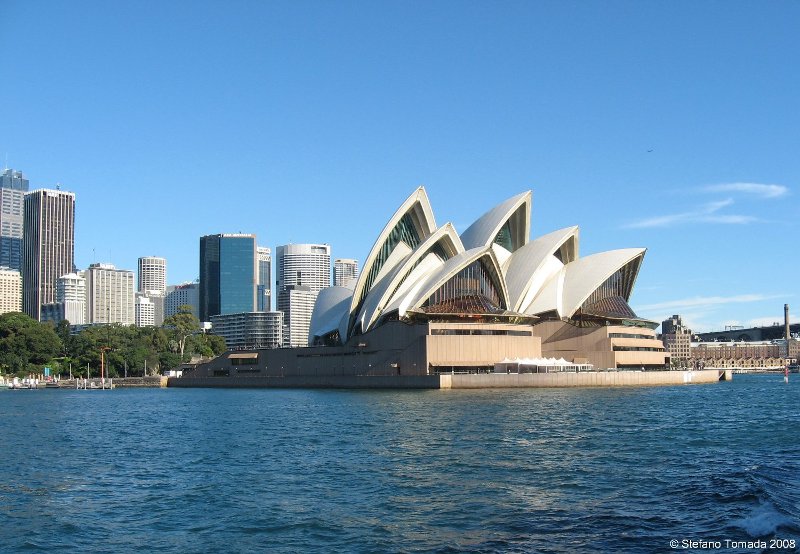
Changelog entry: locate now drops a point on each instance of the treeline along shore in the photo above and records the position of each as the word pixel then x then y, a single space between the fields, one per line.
pixel 32 348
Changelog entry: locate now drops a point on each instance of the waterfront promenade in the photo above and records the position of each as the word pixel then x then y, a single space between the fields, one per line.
pixel 96 383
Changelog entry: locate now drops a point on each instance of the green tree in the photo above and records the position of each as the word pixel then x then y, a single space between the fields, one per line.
pixel 180 326
pixel 168 360
pixel 62 330
pixel 217 344
pixel 207 346
pixel 25 344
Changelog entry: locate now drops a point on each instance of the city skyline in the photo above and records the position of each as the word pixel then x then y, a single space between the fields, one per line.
pixel 615 124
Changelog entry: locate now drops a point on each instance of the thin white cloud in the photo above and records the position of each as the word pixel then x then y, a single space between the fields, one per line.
pixel 729 219
pixel 707 213
pixel 704 302
pixel 712 207
pixel 756 189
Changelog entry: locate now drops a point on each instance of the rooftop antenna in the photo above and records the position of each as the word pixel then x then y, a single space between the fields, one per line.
pixel 58 185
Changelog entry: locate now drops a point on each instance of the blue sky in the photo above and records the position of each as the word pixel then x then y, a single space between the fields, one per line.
pixel 674 126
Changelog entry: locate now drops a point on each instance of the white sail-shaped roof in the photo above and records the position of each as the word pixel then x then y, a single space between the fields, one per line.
pixel 529 268
pixel 416 271
pixel 412 222
pixel 421 291
pixel 402 276
pixel 572 285
pixel 332 303
pixel 516 211
pixel 550 295
pixel 585 275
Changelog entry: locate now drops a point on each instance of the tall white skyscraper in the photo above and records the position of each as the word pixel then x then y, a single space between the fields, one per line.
pixel 71 294
pixel 152 274
pixel 109 295
pixel 152 283
pixel 345 272
pixel 48 246
pixel 13 186
pixel 186 294
pixel 302 270
pixel 145 311
pixel 297 305
pixel 264 292
pixel 10 290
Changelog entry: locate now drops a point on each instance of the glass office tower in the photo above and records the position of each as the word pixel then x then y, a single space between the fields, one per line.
pixel 228 275
pixel 13 186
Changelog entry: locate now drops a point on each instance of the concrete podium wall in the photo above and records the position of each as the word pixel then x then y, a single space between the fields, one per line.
pixel 582 379
pixel 312 382
pixel 460 381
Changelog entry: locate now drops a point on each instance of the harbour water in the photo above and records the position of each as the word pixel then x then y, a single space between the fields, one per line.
pixel 535 470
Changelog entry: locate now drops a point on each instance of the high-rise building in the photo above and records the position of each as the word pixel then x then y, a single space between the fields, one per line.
pixel 48 246
pixel 10 290
pixel 71 294
pixel 345 272
pixel 264 292
pixel 186 294
pixel 302 270
pixel 297 304
pixel 152 274
pixel 158 299
pixel 152 283
pixel 249 329
pixel 228 274
pixel 677 340
pixel 145 311
pixel 109 295
pixel 13 186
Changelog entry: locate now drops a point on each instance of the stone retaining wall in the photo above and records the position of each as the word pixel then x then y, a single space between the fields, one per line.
pixel 459 381
pixel 582 379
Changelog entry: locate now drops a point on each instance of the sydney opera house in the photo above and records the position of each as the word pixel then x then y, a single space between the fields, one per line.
pixel 493 281
pixel 430 301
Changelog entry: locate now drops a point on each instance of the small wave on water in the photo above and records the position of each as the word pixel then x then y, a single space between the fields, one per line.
pixel 777 499
pixel 763 521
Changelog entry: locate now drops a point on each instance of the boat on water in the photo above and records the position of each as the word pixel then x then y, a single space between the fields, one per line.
pixel 17 384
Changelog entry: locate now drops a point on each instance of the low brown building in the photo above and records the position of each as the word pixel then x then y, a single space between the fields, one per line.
pixel 739 355
pixel 396 348
pixel 605 347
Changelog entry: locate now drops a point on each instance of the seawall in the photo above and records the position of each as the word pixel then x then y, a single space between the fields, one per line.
pixel 461 381
pixel 118 382
pixel 582 379
pixel 312 381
